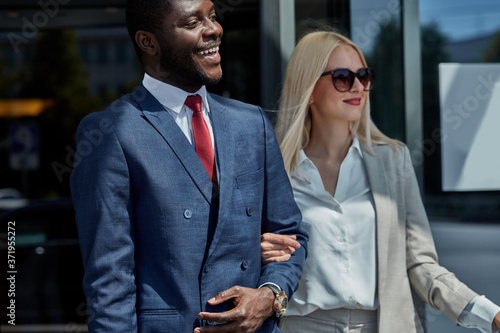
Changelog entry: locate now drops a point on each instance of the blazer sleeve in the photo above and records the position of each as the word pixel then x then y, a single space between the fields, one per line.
pixel 281 215
pixel 432 282
pixel 100 186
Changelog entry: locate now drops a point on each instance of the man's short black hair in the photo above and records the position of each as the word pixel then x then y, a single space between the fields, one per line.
pixel 146 15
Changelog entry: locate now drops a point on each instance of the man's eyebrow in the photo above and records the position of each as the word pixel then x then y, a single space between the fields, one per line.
pixel 197 13
pixel 191 14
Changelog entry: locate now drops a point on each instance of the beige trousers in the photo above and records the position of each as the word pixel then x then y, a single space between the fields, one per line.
pixel 331 321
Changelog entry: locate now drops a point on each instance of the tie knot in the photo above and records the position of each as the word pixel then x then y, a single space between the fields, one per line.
pixel 194 103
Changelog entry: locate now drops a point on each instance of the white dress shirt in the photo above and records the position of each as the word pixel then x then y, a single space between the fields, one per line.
pixel 172 99
pixel 479 313
pixel 341 266
pixel 340 269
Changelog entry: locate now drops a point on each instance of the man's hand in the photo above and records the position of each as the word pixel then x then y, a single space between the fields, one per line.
pixel 496 322
pixel 277 248
pixel 252 307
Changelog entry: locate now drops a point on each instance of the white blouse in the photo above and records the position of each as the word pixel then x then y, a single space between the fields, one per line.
pixel 341 266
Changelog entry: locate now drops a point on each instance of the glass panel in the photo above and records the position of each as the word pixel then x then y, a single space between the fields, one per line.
pixel 463 32
pixel 314 14
pixel 52 81
pixel 376 29
pixel 240 50
pixel 48 264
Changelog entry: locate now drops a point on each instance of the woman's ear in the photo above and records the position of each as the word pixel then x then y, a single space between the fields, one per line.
pixel 146 42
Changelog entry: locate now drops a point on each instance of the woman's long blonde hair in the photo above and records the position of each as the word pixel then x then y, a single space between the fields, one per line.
pixel 307 63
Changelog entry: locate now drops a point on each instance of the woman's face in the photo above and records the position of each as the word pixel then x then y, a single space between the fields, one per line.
pixel 328 104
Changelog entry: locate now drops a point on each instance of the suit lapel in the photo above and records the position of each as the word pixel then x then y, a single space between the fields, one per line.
pixel 161 120
pixel 224 145
pixel 377 177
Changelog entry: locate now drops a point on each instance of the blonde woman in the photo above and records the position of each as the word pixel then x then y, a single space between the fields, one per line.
pixel 370 243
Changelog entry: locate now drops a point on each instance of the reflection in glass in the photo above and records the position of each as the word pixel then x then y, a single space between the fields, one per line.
pixel 463 32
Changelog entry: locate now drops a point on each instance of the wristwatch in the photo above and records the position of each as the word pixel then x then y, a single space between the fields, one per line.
pixel 280 299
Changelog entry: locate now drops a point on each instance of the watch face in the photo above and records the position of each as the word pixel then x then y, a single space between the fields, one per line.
pixel 281 303
pixel 284 303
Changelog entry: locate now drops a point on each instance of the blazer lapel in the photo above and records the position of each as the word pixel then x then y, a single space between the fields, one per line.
pixel 224 145
pixel 377 177
pixel 161 120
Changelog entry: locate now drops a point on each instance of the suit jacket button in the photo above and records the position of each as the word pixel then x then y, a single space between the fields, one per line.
pixel 244 265
pixel 207 268
pixel 187 214
pixel 210 323
pixel 249 211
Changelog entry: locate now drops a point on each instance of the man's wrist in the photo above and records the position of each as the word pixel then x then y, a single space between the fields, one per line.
pixel 280 300
pixel 269 297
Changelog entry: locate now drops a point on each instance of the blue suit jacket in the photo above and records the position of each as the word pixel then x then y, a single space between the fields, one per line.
pixel 144 203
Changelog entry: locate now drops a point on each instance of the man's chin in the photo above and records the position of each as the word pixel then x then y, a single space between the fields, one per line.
pixel 213 81
pixel 210 79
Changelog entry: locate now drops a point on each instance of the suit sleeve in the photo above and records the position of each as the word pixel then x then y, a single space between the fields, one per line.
pixel 100 186
pixel 281 215
pixel 432 282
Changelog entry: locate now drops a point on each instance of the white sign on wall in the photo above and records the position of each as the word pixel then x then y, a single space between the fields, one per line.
pixel 470 125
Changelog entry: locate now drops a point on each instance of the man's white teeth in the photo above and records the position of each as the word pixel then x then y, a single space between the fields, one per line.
pixel 212 50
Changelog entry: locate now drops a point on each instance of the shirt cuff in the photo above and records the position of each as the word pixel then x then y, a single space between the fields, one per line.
pixel 479 314
pixel 271 283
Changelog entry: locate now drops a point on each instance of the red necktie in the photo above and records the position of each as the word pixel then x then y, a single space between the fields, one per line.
pixel 202 140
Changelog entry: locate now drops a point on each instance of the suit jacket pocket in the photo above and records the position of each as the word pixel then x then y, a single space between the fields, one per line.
pixel 250 178
pixel 159 320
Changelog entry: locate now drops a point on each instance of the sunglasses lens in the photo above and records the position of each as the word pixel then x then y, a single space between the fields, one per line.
pixel 342 79
pixel 365 77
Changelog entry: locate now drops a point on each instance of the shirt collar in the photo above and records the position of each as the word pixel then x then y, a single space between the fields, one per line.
pixel 169 96
pixel 355 145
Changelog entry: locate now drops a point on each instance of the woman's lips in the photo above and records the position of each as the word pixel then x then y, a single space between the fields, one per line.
pixel 353 101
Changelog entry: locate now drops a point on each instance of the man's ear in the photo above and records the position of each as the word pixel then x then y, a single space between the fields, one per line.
pixel 147 42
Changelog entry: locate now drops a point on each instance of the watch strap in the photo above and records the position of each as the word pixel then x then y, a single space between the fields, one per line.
pixel 280 299
pixel 276 290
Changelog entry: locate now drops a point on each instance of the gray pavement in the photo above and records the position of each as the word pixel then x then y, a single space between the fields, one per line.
pixel 472 252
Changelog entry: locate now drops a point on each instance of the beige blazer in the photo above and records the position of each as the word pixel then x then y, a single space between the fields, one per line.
pixel 407 259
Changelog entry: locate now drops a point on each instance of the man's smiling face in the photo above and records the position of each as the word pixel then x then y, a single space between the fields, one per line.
pixel 189 44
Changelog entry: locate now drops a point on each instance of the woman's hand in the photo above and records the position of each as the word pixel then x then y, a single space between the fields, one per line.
pixel 277 248
pixel 496 320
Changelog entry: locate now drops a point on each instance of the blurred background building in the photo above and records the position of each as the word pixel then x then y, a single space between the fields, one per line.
pixel 62 59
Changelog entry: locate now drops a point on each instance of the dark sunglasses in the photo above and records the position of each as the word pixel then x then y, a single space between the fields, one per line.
pixel 343 78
